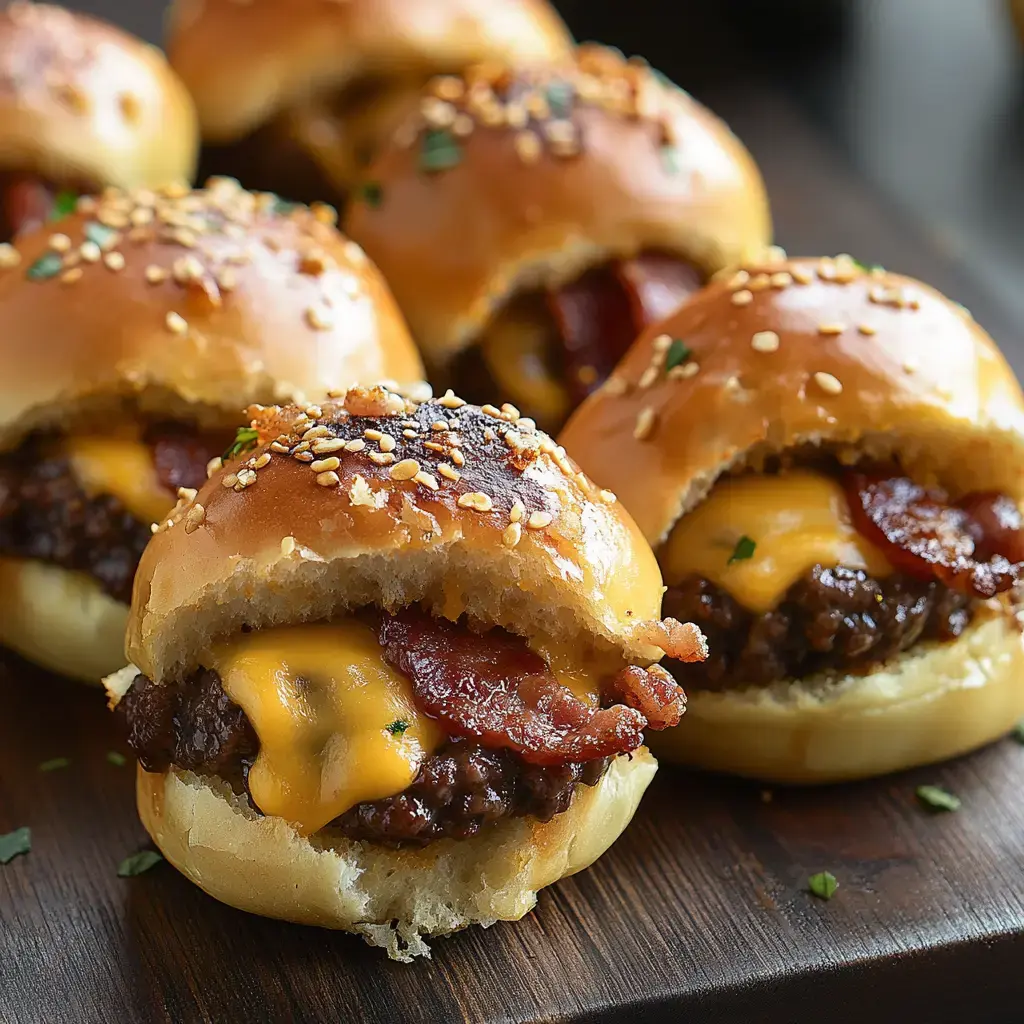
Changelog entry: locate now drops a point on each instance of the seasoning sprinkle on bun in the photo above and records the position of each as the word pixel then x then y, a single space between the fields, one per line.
pixel 420 646
pixel 826 458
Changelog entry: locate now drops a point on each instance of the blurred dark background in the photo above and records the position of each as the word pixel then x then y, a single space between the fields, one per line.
pixel 891 129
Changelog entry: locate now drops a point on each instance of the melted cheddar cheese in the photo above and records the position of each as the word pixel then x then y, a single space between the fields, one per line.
pixel 322 699
pixel 122 466
pixel 795 519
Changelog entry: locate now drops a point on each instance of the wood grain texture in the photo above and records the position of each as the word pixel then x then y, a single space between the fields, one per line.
pixel 700 913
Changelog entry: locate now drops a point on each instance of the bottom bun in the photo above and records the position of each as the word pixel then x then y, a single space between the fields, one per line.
pixel 392 897
pixel 929 704
pixel 61 620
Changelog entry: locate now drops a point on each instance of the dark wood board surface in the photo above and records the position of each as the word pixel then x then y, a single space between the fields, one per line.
pixel 700 913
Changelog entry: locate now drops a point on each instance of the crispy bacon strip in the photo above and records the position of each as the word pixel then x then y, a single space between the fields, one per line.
pixel 652 692
pixel 973 547
pixel 657 284
pixel 180 454
pixel 493 688
pixel 26 204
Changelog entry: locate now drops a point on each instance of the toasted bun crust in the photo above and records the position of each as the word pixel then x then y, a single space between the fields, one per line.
pixel 201 303
pixel 519 539
pixel 244 63
pixel 550 170
pixel 83 102
pixel 61 620
pixel 932 703
pixel 393 898
pixel 868 362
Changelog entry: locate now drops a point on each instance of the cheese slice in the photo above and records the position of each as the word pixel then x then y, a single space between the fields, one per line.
pixel 795 519
pixel 336 724
pixel 122 466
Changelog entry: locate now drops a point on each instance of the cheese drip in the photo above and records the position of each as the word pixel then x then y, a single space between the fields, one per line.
pixel 121 466
pixel 795 519
pixel 337 726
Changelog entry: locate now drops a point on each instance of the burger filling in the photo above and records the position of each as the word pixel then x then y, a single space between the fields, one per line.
pixel 546 351
pixel 28 201
pixel 87 503
pixel 804 572
pixel 396 728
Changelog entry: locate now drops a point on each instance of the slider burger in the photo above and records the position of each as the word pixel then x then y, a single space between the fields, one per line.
pixel 134 331
pixel 395 679
pixel 532 220
pixel 296 95
pixel 83 105
pixel 827 460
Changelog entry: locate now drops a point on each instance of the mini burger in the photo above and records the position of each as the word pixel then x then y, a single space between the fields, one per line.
pixel 532 220
pixel 83 106
pixel 134 332
pixel 297 95
pixel 393 675
pixel 827 460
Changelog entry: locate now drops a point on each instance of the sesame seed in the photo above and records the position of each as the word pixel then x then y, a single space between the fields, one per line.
pixel 458 458
pixel 9 256
pixel 662 343
pixel 246 477
pixel 774 254
pixel 328 445
pixel 60 243
pixel 528 146
pixel 448 472
pixel 765 341
pixel 114 261
pixel 194 518
pixel 229 480
pixel 427 479
pixel 176 323
pixel 215 465
pixel 648 377
pixel 387 443
pixel 512 535
pixel 781 279
pixel 71 276
pixel 90 252
pixel 867 329
pixel 303 456
pixel 319 318
pixel 328 478
pixel 538 520
pixel 517 511
pixel 323 465
pixel 372 435
pixel 355 446
pixel 405 470
pixel 828 383
pixel 742 298
pixel 381 458
pixel 911 365
pixel 738 280
pixel 491 410
pixel 476 500
pixel 434 446
pixel 801 276
pixel 509 411
pixel 684 372
pixel 263 460
pixel 831 329
pixel 608 497
pixel 450 400
pixel 644 423
pixel 287 546
pixel 314 432
pixel 759 282
pixel 155 274
pixel 616 386
pixel 462 125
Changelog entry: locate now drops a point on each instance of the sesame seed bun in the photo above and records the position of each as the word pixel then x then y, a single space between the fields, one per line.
pixel 498 526
pixel 189 305
pixel 82 102
pixel 831 354
pixel 246 63
pixel 545 172
pixel 393 898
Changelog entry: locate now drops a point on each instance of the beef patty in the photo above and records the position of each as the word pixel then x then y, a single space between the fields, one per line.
pixel 460 789
pixel 832 620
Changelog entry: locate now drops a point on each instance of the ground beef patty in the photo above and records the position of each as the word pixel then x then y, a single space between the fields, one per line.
pixel 832 620
pixel 460 789
pixel 45 515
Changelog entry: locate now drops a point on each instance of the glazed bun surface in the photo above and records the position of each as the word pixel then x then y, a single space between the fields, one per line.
pixel 468 511
pixel 82 101
pixel 510 179
pixel 805 352
pixel 193 303
pixel 393 898
pixel 244 63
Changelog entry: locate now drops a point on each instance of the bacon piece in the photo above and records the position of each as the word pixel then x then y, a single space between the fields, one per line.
pixel 180 454
pixel 27 202
pixel 652 692
pixel 493 688
pixel 657 284
pixel 922 534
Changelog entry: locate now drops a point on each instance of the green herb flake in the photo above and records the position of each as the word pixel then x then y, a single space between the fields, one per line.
pixel 744 549
pixel 245 438
pixel 45 267
pixel 283 207
pixel 677 353
pixel 1018 732
pixel 560 96
pixel 937 799
pixel 15 843
pixel 823 885
pixel 867 267
pixel 100 234
pixel 54 764
pixel 397 727
pixel 138 863
pixel 116 758
pixel 64 204
pixel 440 151
pixel 372 194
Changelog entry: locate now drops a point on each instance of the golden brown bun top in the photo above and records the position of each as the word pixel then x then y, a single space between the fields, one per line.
pixel 802 352
pixel 82 102
pixel 513 178
pixel 372 499
pixel 194 302
pixel 245 62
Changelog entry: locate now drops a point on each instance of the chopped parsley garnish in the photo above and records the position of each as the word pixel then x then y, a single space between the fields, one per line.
pixel 677 353
pixel 45 267
pixel 823 885
pixel 1018 732
pixel 64 203
pixel 559 96
pixel 440 151
pixel 100 233
pixel 115 757
pixel 937 799
pixel 671 159
pixel 15 843
pixel 397 727
pixel 245 438
pixel 137 863
pixel 54 764
pixel 372 194
pixel 744 549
